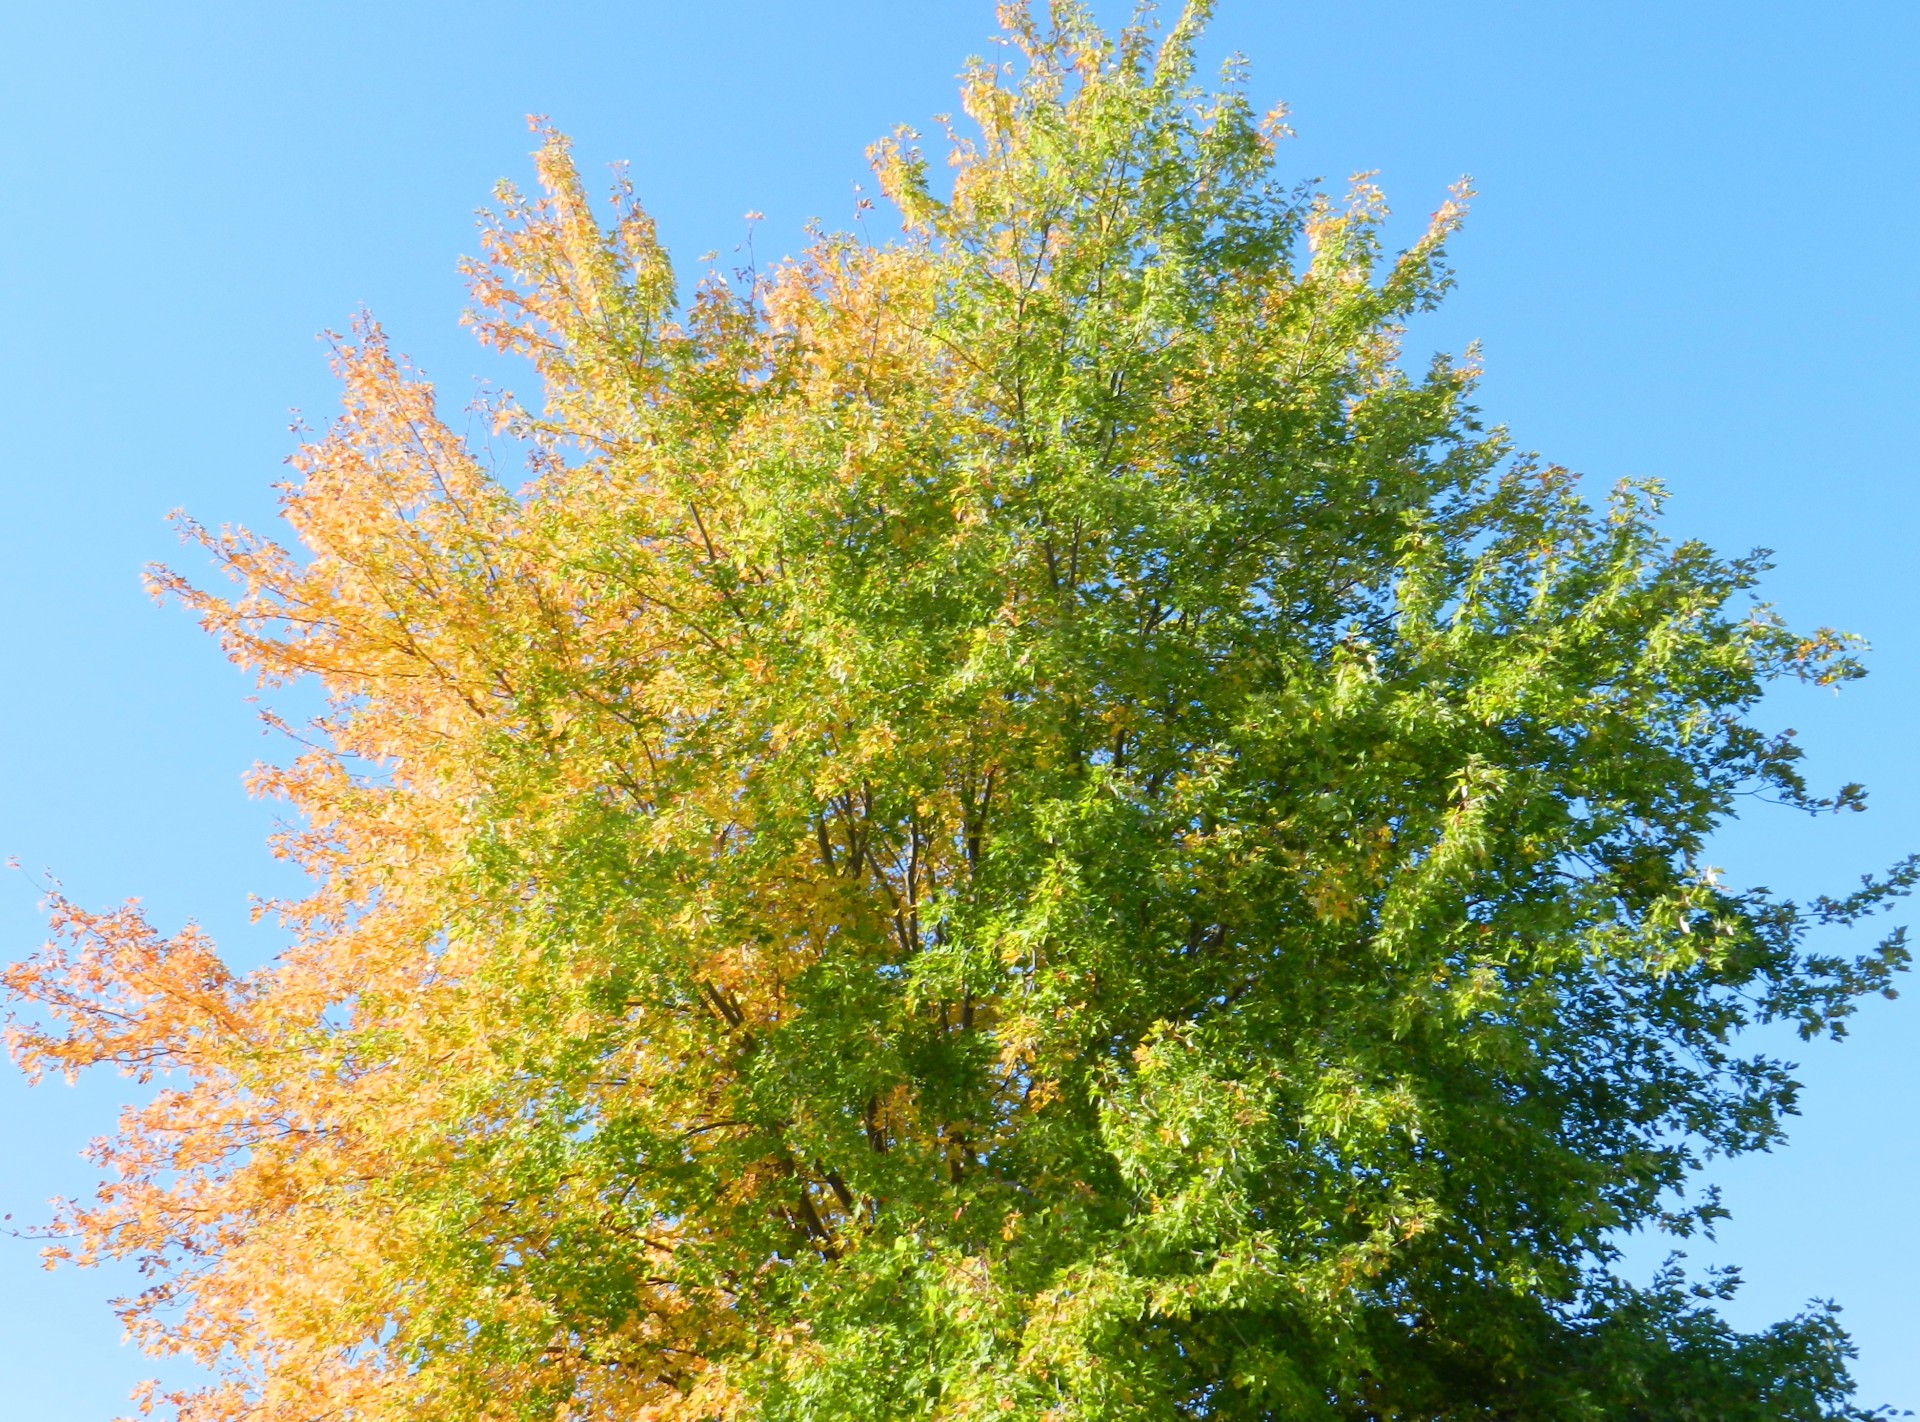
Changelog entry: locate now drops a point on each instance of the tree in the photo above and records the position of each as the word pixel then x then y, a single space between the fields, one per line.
pixel 1016 823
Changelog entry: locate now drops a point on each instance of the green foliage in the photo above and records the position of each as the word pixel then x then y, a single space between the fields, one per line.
pixel 1023 823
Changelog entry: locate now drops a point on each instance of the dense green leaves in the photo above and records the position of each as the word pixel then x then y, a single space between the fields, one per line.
pixel 1020 823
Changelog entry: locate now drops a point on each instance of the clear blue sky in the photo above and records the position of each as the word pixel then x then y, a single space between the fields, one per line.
pixel 1690 261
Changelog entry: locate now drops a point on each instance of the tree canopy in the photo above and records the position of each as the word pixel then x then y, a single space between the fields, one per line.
pixel 1021 821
